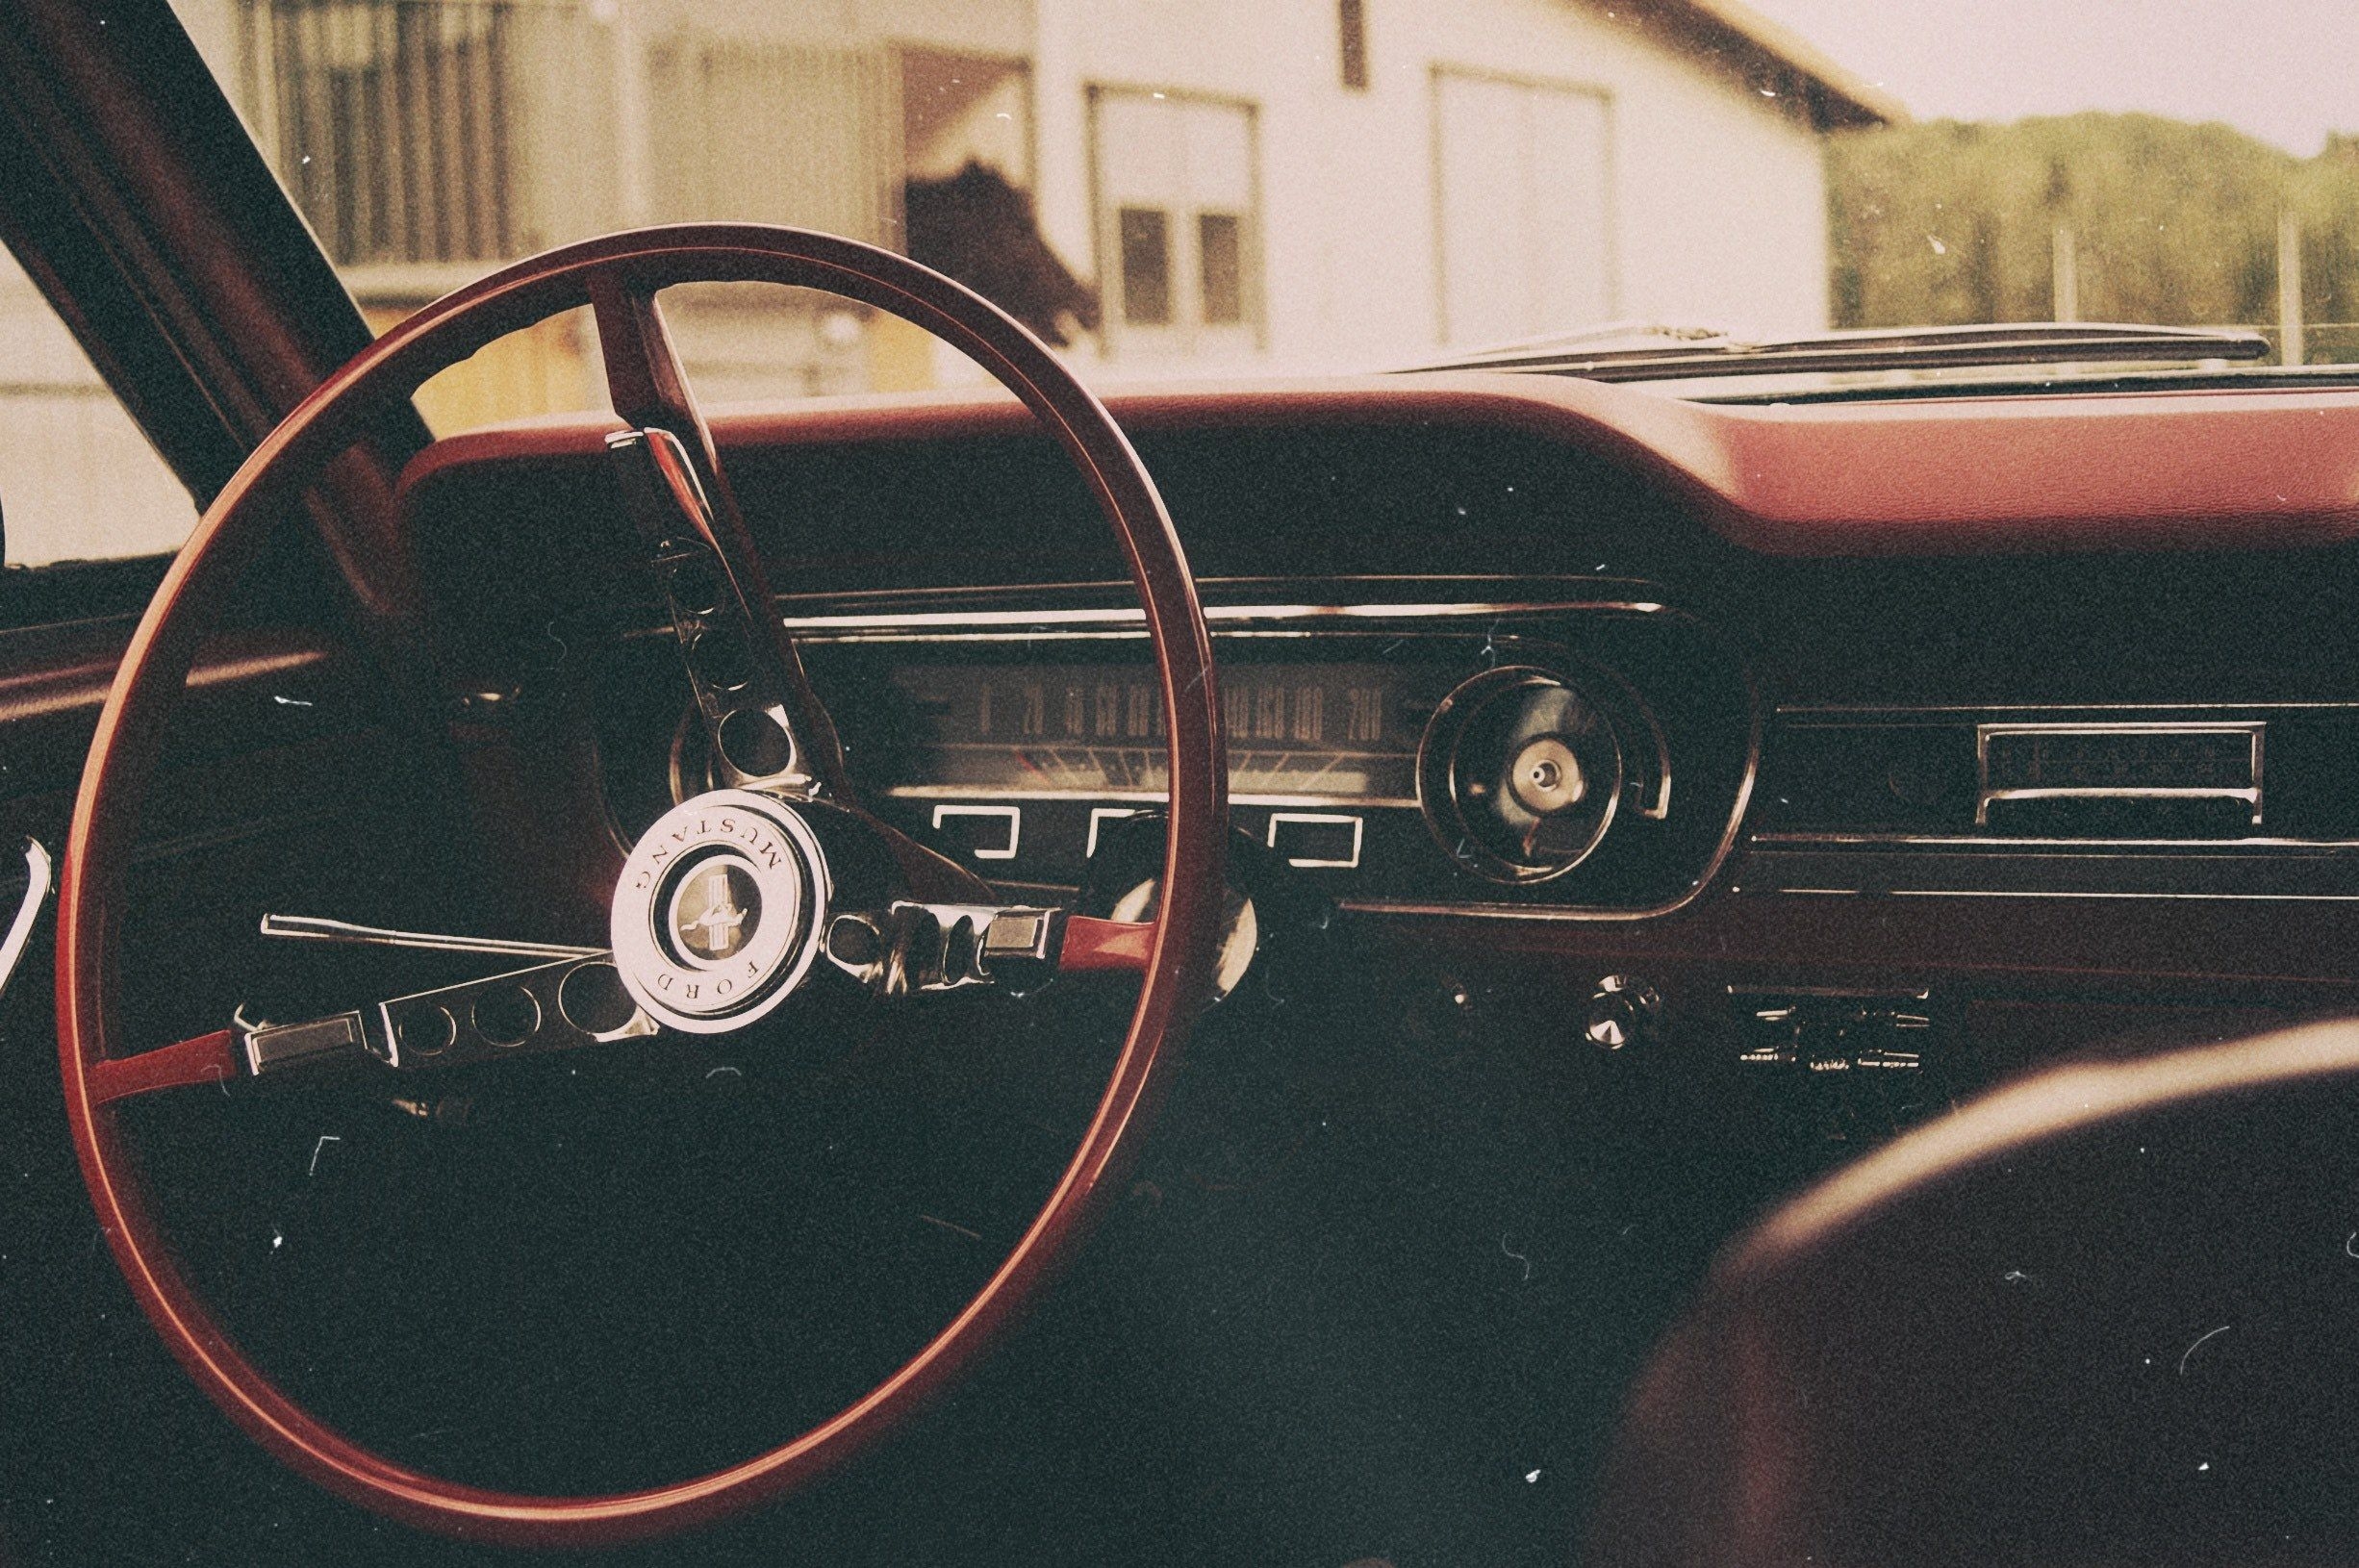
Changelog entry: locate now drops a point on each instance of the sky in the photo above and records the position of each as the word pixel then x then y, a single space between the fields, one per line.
pixel 2284 70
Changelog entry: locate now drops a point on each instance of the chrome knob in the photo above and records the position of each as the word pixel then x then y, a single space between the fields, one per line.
pixel 1622 1010
pixel 1546 776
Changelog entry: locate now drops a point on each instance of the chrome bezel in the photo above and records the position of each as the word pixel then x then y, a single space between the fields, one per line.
pixel 1394 604
pixel 769 838
pixel 1450 819
pixel 2252 732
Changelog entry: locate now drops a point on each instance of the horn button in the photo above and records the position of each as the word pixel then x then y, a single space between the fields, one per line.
pixel 716 917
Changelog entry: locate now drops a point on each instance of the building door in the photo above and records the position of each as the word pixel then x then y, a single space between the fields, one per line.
pixel 1179 246
pixel 1523 205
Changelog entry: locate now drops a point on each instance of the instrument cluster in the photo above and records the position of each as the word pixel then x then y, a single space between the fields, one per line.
pixel 1587 754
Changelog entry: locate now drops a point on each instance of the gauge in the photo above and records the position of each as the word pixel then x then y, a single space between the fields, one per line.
pixel 1335 732
pixel 1520 774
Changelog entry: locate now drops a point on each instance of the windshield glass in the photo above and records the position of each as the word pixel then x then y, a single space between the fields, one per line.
pixel 1216 188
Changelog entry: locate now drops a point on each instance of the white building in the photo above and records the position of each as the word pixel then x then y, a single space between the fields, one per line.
pixel 1250 184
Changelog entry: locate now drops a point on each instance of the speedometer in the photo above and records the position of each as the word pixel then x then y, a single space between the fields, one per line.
pixel 1298 733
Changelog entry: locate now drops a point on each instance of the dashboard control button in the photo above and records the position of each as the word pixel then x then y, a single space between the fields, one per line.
pixel 982 833
pixel 1317 839
pixel 1622 1011
pixel 1836 1031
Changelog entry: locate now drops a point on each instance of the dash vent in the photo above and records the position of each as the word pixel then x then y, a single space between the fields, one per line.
pixel 2290 772
pixel 2190 779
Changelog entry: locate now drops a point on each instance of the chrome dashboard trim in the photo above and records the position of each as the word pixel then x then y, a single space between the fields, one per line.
pixel 39 877
pixel 1962 840
pixel 984 792
pixel 2078 892
pixel 1903 715
pixel 2254 734
pixel 1214 614
pixel 974 626
pixel 2048 892
pixel 1012 816
pixel 1358 826
pixel 1098 816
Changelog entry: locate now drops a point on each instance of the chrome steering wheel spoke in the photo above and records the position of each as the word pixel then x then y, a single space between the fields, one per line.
pixel 317 928
pixel 906 949
pixel 556 1006
pixel 564 1005
pixel 766 727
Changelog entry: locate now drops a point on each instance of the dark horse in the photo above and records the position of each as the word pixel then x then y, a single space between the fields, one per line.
pixel 980 229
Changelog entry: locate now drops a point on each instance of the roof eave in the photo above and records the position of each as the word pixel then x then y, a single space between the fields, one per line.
pixel 1732 33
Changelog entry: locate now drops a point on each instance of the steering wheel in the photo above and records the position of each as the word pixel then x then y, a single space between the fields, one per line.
pixel 736 901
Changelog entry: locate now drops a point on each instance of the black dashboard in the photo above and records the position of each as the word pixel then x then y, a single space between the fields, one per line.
pixel 2039 794
pixel 1581 752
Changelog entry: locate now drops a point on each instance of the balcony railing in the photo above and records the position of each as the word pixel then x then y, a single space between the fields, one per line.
pixel 416 133
pixel 395 121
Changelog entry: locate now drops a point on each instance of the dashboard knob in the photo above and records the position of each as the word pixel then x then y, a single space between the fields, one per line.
pixel 1622 1011
pixel 1546 776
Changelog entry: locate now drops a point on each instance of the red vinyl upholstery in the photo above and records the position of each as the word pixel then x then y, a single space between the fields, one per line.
pixel 2110 1315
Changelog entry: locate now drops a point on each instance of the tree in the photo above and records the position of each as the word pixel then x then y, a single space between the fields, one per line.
pixel 1949 223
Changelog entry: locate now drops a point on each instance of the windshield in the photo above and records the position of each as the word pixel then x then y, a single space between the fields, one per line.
pixel 1221 188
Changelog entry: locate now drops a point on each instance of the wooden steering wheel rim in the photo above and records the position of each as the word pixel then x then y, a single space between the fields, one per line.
pixel 123 756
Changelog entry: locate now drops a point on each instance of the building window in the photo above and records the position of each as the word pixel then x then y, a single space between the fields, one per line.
pixel 1146 266
pixel 1178 247
pixel 1220 246
pixel 1351 27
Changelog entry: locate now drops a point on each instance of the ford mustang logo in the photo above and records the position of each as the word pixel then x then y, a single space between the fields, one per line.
pixel 718 911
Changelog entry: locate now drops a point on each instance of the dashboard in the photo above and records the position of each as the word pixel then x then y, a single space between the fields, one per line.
pixel 2024 722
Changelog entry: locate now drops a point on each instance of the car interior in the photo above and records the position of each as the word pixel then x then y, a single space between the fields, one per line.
pixel 1471 966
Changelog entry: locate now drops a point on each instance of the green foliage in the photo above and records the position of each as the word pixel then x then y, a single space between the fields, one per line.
pixel 1951 222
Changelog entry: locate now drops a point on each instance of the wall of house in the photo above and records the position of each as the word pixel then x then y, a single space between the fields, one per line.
pixel 1716 193
pixel 1702 195
pixel 78 481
